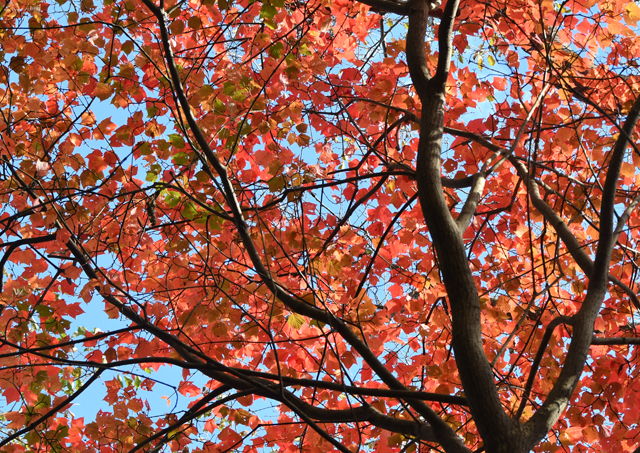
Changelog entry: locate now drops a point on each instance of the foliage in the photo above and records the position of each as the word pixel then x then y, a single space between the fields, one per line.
pixel 354 226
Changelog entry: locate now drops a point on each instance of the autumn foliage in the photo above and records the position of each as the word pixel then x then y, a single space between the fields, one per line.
pixel 375 226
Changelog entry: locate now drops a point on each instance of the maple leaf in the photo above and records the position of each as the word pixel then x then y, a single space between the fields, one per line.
pixel 404 225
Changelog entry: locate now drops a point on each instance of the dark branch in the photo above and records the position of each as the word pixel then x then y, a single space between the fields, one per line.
pixel 53 410
pixel 388 6
pixel 615 341
pixel 445 42
pixel 536 361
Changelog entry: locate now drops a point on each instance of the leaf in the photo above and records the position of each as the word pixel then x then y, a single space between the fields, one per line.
pixel 87 291
pixel 194 22
pixel 172 199
pixel 187 388
pixel 181 159
pixel 349 222
pixel 268 11
pixel 177 141
pixel 295 320
pixel 189 211
pixel 276 50
pixel 103 91
pixel 632 13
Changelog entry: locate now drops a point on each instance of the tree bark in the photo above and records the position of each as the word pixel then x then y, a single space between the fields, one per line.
pixel 499 432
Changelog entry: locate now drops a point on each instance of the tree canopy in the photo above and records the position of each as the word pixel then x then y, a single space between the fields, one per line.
pixel 356 226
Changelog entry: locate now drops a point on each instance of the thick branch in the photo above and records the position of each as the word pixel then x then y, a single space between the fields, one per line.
pixel 536 361
pixel 573 245
pixel 475 372
pixel 363 391
pixel 444 432
pixel 389 6
pixel 615 341
pixel 471 204
pixel 445 43
pixel 416 59
pixel 468 211
pixel 546 416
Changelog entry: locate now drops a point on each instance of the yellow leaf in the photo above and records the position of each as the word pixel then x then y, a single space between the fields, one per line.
pixel 103 91
pixel 632 14
pixel 628 170
pixel 295 320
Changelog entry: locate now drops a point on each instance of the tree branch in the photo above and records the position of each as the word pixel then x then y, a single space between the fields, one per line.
pixel 536 361
pixel 471 204
pixel 53 410
pixel 546 416
pixel 389 6
pixel 445 43
pixel 12 246
pixel 614 341
pixel 574 247
pixel 444 432
pixel 475 372
pixel 416 59
pixel 194 411
pixel 362 391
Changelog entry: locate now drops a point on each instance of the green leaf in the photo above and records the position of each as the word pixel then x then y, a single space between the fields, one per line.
pixel 240 95
pixel 127 47
pixel 246 129
pixel 276 184
pixel 44 311
pixel 229 88
pixel 152 111
pixel 218 106
pixel 318 324
pixel 206 91
pixel 172 199
pixel 231 142
pixel 62 432
pixel 304 50
pixel 268 12
pixel 176 140
pixel 145 149
pixel 151 176
pixel 189 211
pixel 181 159
pixel 215 223
pixel 276 50
pixel 81 332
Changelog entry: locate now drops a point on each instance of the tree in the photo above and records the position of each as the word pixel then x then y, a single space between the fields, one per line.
pixel 354 226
